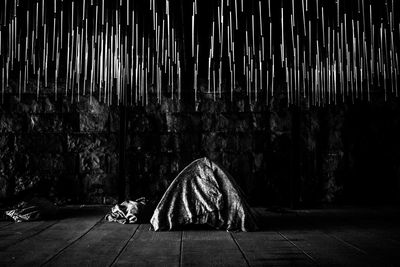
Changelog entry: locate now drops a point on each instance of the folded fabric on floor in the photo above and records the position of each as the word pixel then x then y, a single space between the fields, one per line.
pixel 35 209
pixel 127 212
pixel 203 193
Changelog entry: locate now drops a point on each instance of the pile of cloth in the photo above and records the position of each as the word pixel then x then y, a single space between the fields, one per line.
pixel 34 209
pixel 128 211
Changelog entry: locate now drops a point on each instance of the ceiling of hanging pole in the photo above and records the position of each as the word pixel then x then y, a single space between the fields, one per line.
pixel 315 52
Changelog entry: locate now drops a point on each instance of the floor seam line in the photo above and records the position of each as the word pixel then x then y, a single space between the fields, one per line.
pixel 346 243
pixel 335 237
pixel 4 226
pixel 70 244
pixel 124 247
pixel 30 236
pixel 181 250
pixel 305 253
pixel 240 249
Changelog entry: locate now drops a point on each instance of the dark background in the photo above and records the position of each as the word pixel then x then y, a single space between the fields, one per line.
pixel 280 156
pixel 293 156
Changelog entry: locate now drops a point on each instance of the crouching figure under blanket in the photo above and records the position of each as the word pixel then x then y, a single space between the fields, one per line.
pixel 203 193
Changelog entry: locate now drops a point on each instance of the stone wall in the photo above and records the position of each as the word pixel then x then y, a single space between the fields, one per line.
pixel 70 153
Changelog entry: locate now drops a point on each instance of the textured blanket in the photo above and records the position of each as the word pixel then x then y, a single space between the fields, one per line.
pixel 127 212
pixel 203 193
pixel 35 209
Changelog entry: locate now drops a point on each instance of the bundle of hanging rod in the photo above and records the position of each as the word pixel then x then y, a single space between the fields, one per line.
pixel 319 52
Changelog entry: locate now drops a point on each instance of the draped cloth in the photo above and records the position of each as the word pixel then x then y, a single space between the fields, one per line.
pixel 203 193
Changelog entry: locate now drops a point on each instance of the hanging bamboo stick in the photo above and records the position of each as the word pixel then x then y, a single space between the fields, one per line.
pixel 304 18
pixel 37 84
pixel 283 39
pixel 2 84
pixel 323 27
pixel 193 19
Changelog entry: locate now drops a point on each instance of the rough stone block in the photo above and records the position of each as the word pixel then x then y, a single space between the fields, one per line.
pixel 67 106
pixel 93 122
pixel 92 162
pixel 28 104
pixel 207 120
pixel 227 161
pixel 115 120
pixel 240 122
pixel 239 105
pixel 45 123
pixel 71 163
pixel 190 141
pixel 214 156
pixel 24 162
pixel 260 141
pixel 175 165
pixel 103 142
pixel 48 105
pixel 258 161
pixel 170 142
pixel 259 121
pixel 112 163
pixel 8 162
pixel 137 142
pixel 244 172
pixel 46 162
pixel 169 105
pixel 221 123
pixel 131 159
pixel 164 167
pixel 211 106
pixel 139 123
pixel 173 122
pixel 97 187
pixel 12 122
pixel 4 185
pixel 214 141
pixel 245 141
pixel 40 143
pixel 93 116
pixel 232 142
pixel 183 122
pixel 280 123
pixel 150 163
pixel 37 185
pixel 6 143
pixel 71 122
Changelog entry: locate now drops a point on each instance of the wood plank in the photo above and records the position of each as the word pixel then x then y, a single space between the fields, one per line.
pixel 39 248
pixel 328 251
pixel 386 251
pixel 210 248
pixel 149 248
pixel 17 232
pixel 269 248
pixel 390 233
pixel 4 223
pixel 99 247
pixel 371 232
pixel 383 226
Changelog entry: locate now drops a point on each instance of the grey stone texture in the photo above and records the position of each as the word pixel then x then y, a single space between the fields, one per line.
pixel 70 152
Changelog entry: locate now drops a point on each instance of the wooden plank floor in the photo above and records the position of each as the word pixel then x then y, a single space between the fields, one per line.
pixel 340 237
